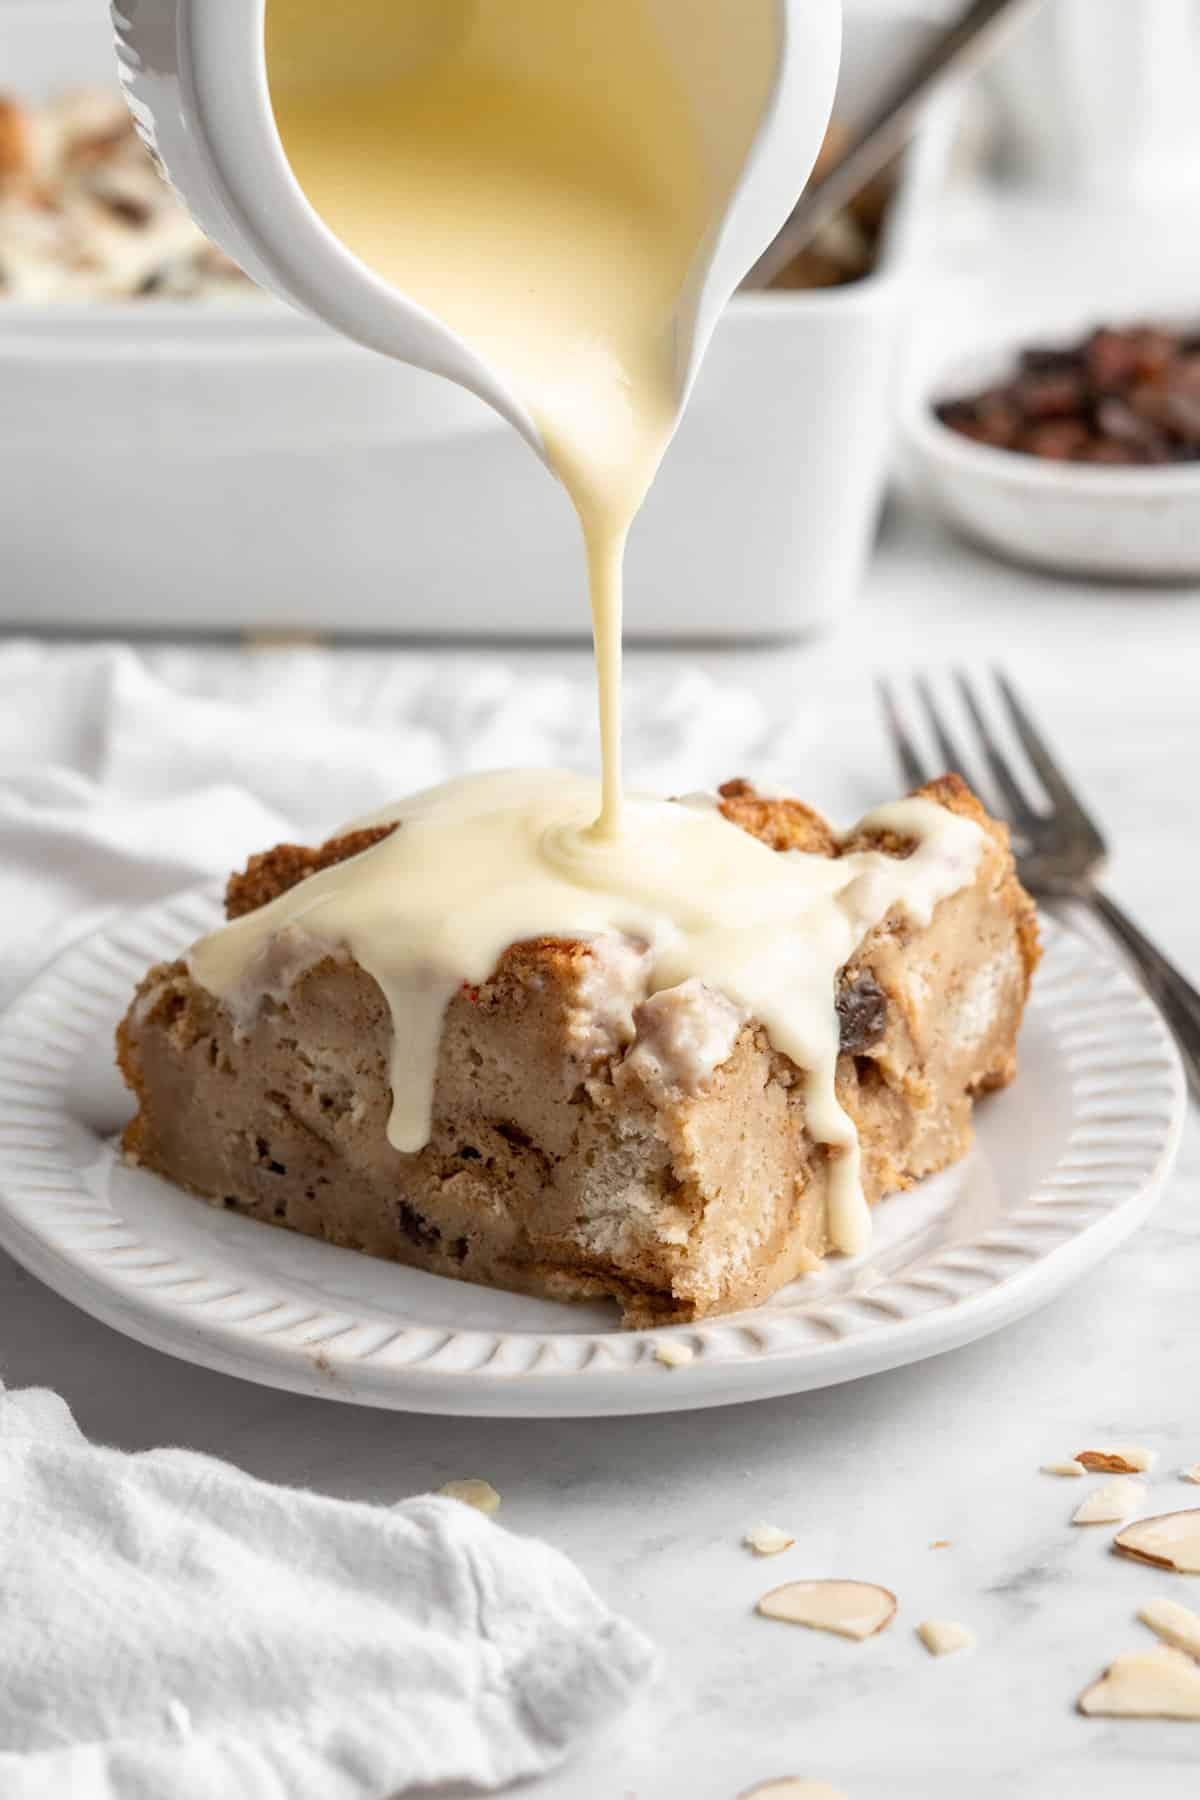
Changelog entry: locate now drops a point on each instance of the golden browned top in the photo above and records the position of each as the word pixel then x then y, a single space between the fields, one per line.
pixel 276 871
pixel 781 824
pixel 950 791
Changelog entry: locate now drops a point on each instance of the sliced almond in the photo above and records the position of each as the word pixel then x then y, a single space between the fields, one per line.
pixel 1109 1504
pixel 479 1494
pixel 793 1787
pixel 943 1636
pixel 1171 1541
pixel 767 1540
pixel 1176 1625
pixel 854 1609
pixel 1192 1474
pixel 940 1544
pixel 1146 1684
pixel 1070 1467
pixel 1118 1459
pixel 673 1354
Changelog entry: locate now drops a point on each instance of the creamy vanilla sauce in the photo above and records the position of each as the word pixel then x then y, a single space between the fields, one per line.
pixel 492 860
pixel 530 171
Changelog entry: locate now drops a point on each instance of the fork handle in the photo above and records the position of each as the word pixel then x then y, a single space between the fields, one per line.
pixel 1173 991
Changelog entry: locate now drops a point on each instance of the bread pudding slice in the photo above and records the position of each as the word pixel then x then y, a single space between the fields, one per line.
pixel 589 1138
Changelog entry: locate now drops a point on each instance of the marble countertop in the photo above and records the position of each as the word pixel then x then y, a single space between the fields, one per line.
pixel 868 1475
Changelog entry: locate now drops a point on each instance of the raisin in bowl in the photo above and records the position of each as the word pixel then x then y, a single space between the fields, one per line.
pixel 1079 455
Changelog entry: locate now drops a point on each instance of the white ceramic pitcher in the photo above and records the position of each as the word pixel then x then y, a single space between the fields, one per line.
pixel 195 73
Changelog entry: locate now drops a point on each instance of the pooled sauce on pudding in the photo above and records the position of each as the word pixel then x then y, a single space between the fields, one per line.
pixel 492 860
pixel 531 172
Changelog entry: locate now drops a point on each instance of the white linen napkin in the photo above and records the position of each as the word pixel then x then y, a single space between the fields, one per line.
pixel 169 1626
pixel 172 1627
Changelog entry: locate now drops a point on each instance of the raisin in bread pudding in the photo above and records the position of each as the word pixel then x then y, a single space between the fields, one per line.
pixel 594 1127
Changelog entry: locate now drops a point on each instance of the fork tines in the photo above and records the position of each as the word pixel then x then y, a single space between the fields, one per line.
pixel 1012 796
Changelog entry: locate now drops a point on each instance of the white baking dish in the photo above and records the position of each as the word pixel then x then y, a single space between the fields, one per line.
pixel 166 467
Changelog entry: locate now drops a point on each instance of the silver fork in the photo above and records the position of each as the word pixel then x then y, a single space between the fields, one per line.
pixel 1059 848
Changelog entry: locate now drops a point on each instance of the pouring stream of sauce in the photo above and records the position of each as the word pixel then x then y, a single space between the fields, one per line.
pixel 531 171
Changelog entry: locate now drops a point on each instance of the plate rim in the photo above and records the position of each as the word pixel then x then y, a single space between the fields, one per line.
pixel 736 1357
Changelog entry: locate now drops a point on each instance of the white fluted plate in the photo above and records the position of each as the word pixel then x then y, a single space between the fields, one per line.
pixel 1068 1162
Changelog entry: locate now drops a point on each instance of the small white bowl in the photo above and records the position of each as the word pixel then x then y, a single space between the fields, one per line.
pixel 1140 523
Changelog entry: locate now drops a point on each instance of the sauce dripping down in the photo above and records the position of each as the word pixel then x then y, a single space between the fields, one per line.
pixel 491 860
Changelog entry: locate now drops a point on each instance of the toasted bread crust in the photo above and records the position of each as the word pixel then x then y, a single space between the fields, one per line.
pixel 277 871
pixel 780 823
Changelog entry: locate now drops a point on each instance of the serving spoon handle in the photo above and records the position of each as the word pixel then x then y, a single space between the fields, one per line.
pixel 967 43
